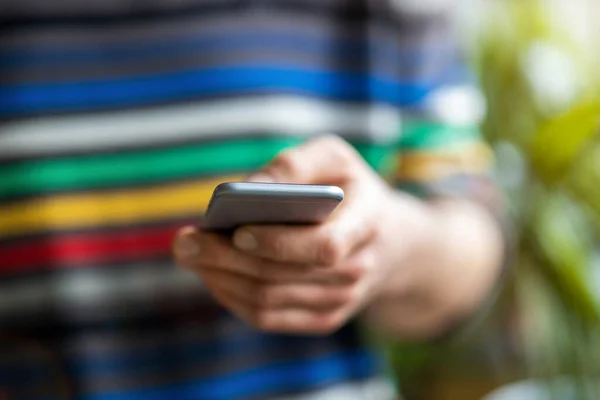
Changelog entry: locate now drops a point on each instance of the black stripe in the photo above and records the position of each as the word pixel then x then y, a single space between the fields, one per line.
pixel 53 324
pixel 203 312
pixel 350 11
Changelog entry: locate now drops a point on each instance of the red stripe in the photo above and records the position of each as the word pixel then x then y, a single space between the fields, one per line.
pixel 77 250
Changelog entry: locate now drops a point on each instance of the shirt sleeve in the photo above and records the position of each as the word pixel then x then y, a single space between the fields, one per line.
pixel 442 152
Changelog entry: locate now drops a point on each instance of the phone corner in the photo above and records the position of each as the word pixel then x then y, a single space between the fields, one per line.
pixel 336 192
pixel 223 189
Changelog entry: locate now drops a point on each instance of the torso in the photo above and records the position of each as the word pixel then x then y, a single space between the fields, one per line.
pixel 117 119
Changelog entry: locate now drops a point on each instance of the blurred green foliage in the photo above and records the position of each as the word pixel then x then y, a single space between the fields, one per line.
pixel 542 88
pixel 541 82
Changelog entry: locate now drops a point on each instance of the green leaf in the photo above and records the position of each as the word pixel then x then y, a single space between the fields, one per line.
pixel 584 177
pixel 564 241
pixel 562 140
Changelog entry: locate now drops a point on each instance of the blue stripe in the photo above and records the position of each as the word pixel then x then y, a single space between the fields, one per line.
pixel 23 99
pixel 179 354
pixel 276 377
pixel 154 359
pixel 247 42
pixel 186 354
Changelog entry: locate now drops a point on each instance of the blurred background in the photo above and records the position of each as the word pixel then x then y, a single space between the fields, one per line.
pixel 538 65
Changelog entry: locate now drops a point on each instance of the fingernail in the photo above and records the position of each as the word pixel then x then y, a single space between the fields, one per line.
pixel 244 240
pixel 186 247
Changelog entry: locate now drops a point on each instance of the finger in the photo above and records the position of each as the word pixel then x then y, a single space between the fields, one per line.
pixel 298 321
pixel 326 244
pixel 267 295
pixel 325 160
pixel 285 320
pixel 285 273
pixel 197 250
pixel 193 247
pixel 231 303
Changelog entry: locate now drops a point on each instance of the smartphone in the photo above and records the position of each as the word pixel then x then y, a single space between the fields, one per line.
pixel 235 204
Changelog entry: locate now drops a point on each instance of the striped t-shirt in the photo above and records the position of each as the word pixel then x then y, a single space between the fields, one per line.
pixel 119 117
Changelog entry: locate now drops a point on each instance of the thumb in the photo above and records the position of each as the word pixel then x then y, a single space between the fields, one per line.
pixel 326 160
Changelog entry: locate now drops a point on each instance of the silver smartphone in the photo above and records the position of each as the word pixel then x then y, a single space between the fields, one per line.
pixel 235 204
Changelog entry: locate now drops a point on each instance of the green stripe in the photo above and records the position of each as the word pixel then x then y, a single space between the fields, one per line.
pixel 67 174
pixel 413 188
pixel 424 135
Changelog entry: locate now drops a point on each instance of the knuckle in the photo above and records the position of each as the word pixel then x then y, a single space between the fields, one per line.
pixel 260 271
pixel 330 251
pixel 340 148
pixel 332 140
pixel 277 246
pixel 346 295
pixel 287 163
pixel 353 273
pixel 264 296
pixel 213 252
pixel 371 228
pixel 359 267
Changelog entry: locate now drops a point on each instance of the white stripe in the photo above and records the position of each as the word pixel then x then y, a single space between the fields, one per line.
pixel 278 114
pixel 373 389
pixel 88 288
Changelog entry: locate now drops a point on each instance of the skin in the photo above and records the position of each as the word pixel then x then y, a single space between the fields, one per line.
pixel 411 268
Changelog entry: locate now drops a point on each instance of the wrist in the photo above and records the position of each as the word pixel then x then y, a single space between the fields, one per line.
pixel 399 304
pixel 442 262
pixel 465 259
pixel 416 225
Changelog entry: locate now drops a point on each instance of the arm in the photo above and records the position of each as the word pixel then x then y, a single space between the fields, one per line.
pixel 455 255
pixel 459 250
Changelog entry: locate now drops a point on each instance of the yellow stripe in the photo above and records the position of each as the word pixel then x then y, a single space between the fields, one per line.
pixel 108 208
pixel 430 165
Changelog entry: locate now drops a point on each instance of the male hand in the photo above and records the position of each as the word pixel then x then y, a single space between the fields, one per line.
pixel 305 279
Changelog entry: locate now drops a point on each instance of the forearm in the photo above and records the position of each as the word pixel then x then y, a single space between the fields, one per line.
pixel 452 261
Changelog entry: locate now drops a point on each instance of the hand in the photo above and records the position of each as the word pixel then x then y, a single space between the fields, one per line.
pixel 305 279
